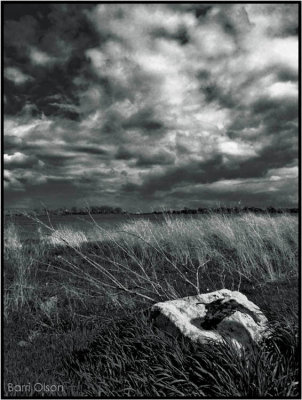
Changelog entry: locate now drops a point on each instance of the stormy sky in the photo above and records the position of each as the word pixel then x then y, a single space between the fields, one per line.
pixel 150 106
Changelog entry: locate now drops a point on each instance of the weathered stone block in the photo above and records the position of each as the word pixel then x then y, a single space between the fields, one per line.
pixel 212 317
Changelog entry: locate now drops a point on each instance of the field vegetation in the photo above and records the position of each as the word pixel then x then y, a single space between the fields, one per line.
pixel 76 312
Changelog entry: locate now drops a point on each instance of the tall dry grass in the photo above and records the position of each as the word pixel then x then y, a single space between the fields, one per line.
pixel 164 259
pixel 20 267
pixel 261 248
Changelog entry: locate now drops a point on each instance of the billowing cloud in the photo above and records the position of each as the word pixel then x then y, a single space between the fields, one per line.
pixel 167 104
pixel 40 58
pixel 16 75
pixel 19 160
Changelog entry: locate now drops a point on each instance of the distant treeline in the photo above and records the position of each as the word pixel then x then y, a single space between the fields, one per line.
pixel 70 211
pixel 118 210
pixel 231 210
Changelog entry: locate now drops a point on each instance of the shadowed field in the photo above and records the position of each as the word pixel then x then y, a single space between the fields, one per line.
pixel 74 310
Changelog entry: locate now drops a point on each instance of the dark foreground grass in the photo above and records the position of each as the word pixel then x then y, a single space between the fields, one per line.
pixel 76 313
pixel 130 358
pixel 135 360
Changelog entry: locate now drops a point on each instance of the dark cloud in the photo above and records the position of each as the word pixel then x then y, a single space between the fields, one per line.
pixel 145 158
pixel 159 158
pixel 199 10
pixel 286 75
pixel 275 111
pixel 274 156
pixel 88 149
pixel 124 154
pixel 49 44
pixel 145 120
pixel 53 159
pixel 181 35
pixel 44 195
pixel 20 33
pixel 251 195
pixel 195 172
pixel 214 93
pixel 12 143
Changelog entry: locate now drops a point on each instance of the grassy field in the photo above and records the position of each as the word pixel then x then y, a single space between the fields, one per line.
pixel 76 311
